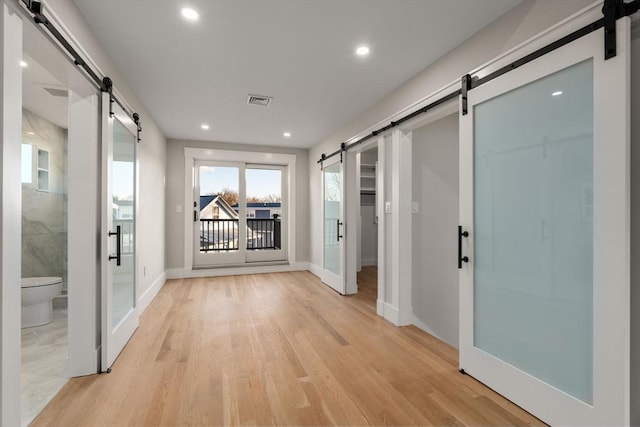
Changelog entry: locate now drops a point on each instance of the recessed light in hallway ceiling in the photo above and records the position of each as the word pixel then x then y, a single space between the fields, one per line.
pixel 24 64
pixel 189 14
pixel 287 134
pixel 362 50
pixel 204 126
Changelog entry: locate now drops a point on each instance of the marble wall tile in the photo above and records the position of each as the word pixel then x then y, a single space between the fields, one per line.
pixel 44 214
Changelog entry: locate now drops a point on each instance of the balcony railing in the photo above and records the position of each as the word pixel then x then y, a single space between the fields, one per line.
pixel 222 235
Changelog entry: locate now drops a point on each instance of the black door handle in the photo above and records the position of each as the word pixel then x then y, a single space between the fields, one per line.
pixel 338 224
pixel 118 254
pixel 461 258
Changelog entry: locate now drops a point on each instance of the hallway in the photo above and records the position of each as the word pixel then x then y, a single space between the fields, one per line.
pixel 276 349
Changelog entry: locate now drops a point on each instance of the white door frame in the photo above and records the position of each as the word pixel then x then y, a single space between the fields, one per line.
pixel 611 308
pixel 192 154
pixel 10 214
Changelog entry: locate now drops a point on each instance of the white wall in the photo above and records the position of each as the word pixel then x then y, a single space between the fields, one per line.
pixel 435 188
pixel 176 188
pixel 151 157
pixel 516 26
pixel 635 226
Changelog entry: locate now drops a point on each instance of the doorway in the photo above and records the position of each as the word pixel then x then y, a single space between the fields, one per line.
pixel 240 213
pixel 58 226
pixel 367 258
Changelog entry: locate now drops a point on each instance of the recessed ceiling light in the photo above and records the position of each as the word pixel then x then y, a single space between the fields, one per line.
pixel 557 93
pixel 189 14
pixel 204 126
pixel 24 64
pixel 362 51
pixel 30 133
pixel 287 134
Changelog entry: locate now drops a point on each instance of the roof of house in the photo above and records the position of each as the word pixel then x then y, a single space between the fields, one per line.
pixel 208 199
pixel 261 205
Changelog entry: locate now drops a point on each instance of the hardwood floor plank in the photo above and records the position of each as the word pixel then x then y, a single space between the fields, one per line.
pixel 277 349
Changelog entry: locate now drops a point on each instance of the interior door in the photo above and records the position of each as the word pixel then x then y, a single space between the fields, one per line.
pixel 544 198
pixel 119 314
pixel 333 225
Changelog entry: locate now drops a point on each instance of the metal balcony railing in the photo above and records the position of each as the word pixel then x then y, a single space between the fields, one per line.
pixel 217 235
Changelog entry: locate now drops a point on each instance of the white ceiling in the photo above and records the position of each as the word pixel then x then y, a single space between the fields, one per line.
pixel 300 52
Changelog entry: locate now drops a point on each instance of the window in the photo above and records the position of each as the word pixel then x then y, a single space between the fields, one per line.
pixel 27 163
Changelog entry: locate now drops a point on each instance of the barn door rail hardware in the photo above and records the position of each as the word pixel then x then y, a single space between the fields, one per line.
pixel 612 11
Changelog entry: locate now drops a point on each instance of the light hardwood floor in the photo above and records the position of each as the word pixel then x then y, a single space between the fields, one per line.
pixel 277 349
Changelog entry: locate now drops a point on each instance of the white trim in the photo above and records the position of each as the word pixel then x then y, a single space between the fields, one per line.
pixel 391 313
pixel 249 157
pixel 423 326
pixel 380 307
pixel 401 223
pixel 182 273
pixel 369 262
pixel 147 296
pixel 314 269
pixel 380 198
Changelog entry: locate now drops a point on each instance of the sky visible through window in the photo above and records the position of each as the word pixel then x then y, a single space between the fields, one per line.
pixel 260 182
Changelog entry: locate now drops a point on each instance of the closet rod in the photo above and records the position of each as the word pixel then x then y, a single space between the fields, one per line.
pixel 612 9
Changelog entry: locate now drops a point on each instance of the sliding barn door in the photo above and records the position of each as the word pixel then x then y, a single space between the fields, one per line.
pixel 119 313
pixel 544 210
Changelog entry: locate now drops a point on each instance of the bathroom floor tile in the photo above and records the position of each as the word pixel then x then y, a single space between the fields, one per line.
pixel 44 355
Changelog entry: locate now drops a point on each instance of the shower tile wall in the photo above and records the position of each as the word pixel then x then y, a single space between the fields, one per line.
pixel 44 214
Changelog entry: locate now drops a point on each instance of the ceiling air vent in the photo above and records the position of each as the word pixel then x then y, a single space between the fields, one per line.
pixel 260 100
pixel 63 93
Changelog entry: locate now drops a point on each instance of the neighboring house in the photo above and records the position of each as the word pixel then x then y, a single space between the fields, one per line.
pixel 262 210
pixel 215 207
pixel 123 209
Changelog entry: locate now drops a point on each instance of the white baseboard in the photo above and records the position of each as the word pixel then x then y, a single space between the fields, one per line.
pixel 380 307
pixel 183 273
pixel 423 326
pixel 392 314
pixel 369 262
pixel 315 270
pixel 151 292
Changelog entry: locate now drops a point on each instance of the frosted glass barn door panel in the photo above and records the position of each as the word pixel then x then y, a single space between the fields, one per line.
pixel 545 200
pixel 333 226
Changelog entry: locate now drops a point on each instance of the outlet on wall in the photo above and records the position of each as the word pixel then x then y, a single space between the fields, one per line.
pixel 387 207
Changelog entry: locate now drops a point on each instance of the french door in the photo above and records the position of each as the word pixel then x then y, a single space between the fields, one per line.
pixel 239 213
pixel 119 314
pixel 333 209
pixel 544 209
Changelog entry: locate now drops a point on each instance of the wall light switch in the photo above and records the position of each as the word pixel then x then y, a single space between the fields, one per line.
pixel 415 208
pixel 178 208
pixel 387 207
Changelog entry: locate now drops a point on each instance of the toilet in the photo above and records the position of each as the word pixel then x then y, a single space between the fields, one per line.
pixel 37 299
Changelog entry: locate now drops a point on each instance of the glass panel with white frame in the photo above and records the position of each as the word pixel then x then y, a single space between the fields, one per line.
pixel 533 192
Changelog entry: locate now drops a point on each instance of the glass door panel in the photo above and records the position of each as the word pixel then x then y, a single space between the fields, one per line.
pixel 218 226
pixel 333 220
pixel 123 215
pixel 534 225
pixel 544 191
pixel 119 314
pixel 265 214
